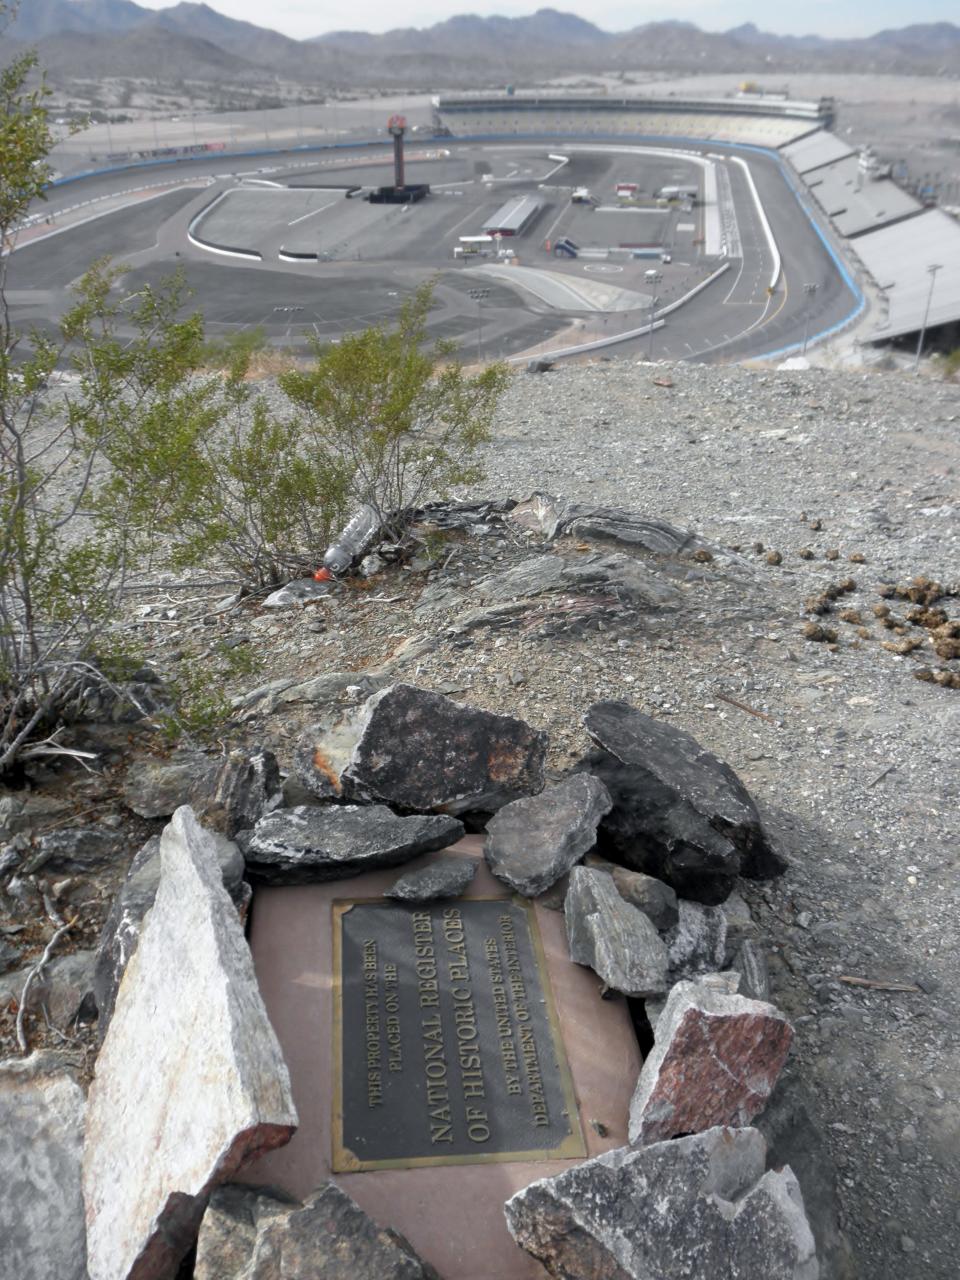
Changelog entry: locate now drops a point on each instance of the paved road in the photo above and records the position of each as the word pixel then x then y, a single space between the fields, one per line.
pixel 372 257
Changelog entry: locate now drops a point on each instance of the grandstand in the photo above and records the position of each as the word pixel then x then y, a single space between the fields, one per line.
pixel 816 149
pixel 762 122
pixel 856 201
pixel 899 257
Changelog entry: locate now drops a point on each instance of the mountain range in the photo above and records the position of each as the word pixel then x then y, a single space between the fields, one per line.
pixel 101 38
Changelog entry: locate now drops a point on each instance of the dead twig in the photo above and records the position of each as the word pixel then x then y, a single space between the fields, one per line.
pixel 881 775
pixel 742 706
pixel 877 984
pixel 34 973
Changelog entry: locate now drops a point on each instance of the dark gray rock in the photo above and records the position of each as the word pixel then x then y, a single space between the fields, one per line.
pixel 613 938
pixel 674 770
pixel 73 849
pixel 441 878
pixel 228 1232
pixel 313 843
pixel 421 751
pixel 243 789
pixel 227 792
pixel 121 929
pixel 532 842
pixel 155 788
pixel 670 842
pixel 695 1207
pixel 697 942
pixel 247 1235
pixel 41 1143
pixel 654 898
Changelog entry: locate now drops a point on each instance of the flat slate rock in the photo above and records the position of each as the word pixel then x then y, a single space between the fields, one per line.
pixel 613 938
pixel 250 1236
pixel 420 751
pixel 532 842
pixel 676 770
pixel 715 1060
pixel 190 1082
pixel 309 844
pixel 700 1206
pixel 42 1226
pixel 442 878
pixel 121 929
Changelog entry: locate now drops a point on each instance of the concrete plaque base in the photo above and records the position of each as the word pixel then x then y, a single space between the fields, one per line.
pixel 452 1213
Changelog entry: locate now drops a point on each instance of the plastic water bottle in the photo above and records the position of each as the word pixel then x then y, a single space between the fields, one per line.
pixel 354 538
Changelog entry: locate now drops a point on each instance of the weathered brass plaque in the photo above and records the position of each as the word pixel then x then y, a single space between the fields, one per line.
pixel 447 1048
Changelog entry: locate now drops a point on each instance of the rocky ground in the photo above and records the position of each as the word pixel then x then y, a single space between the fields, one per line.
pixel 814 494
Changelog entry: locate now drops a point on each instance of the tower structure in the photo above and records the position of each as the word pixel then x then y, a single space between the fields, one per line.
pixel 397 127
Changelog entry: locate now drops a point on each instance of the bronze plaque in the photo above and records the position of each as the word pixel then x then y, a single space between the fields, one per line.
pixel 447 1048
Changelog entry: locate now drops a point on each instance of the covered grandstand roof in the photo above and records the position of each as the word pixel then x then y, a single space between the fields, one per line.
pixel 855 201
pixel 504 118
pixel 816 149
pixel 898 257
pixel 820 111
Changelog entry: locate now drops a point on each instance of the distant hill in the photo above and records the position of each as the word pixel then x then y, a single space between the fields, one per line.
pixel 121 38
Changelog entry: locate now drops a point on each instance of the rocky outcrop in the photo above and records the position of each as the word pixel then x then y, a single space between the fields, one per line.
pixel 532 842
pixel 715 1060
pixel 190 1082
pixel 251 1236
pixel 420 751
pixel 42 1233
pixel 121 929
pixel 441 878
pixel 613 938
pixel 312 843
pixel 701 1206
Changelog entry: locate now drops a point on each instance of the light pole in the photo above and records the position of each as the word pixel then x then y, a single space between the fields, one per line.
pixel 479 296
pixel 933 268
pixel 653 312
pixel 810 290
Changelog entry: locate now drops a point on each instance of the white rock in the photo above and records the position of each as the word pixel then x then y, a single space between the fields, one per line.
pixel 41 1137
pixel 190 1082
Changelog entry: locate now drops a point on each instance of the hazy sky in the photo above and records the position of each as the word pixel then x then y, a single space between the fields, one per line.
pixel 301 18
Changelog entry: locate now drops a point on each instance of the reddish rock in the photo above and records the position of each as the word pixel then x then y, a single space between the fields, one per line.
pixel 715 1061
